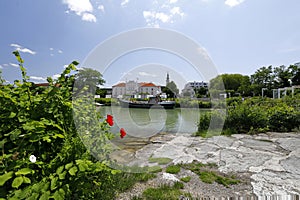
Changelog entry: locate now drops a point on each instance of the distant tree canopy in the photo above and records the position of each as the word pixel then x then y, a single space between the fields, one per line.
pixel 171 90
pixel 89 78
pixel 232 83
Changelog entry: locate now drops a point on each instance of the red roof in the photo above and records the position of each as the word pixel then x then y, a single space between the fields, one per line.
pixel 148 85
pixel 119 85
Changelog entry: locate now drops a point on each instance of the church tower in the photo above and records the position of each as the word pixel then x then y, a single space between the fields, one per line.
pixel 168 79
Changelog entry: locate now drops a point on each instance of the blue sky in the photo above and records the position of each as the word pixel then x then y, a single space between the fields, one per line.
pixel 239 36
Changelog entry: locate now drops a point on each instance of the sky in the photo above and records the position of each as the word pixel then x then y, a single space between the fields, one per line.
pixel 235 36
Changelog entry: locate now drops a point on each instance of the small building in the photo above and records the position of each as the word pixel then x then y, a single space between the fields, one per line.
pixel 133 88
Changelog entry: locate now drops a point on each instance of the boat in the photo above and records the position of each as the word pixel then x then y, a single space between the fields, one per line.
pixel 154 102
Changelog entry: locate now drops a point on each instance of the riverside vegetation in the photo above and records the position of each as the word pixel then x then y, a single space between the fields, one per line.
pixel 43 157
pixel 254 115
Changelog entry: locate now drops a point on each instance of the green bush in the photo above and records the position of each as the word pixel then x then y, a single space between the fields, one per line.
pixel 43 156
pixel 283 118
pixel 254 115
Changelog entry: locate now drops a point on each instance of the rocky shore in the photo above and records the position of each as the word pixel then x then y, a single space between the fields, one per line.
pixel 268 164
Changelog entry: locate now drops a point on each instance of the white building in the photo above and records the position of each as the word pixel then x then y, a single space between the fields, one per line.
pixel 191 86
pixel 131 88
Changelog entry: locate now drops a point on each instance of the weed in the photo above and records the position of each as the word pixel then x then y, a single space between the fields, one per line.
pixel 173 169
pixel 186 179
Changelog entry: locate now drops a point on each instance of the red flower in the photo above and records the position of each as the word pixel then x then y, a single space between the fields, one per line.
pixel 122 133
pixel 109 120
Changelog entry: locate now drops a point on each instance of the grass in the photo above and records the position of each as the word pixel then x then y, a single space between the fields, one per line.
pixel 208 173
pixel 125 181
pixel 164 192
pixel 160 161
pixel 173 169
pixel 186 179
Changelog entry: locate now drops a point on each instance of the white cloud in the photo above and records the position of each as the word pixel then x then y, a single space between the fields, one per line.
pixel 164 13
pixel 88 17
pixel 233 3
pixel 173 1
pixel 15 45
pixel 13 64
pixel 147 74
pixel 60 51
pixel 177 11
pixel 23 49
pixel 82 8
pixel 37 78
pixel 51 49
pixel 51 54
pixel 101 8
pixel 5 65
pixel 124 2
pixel 1 67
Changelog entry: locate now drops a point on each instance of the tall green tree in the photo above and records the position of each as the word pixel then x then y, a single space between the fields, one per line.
pixel 171 90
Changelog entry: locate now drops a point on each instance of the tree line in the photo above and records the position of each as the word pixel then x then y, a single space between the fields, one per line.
pixel 264 78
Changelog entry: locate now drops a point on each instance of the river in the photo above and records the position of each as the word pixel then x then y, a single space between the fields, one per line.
pixel 147 122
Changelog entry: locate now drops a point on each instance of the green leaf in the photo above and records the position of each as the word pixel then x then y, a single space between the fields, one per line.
pixel 45 196
pixel 82 167
pixel 17 54
pixel 53 183
pixel 58 135
pixel 5 177
pixel 59 170
pixel 12 115
pixel 17 182
pixel 59 194
pixel 26 180
pixel 73 171
pixel 62 175
pixel 69 165
pixel 75 62
pixel 24 171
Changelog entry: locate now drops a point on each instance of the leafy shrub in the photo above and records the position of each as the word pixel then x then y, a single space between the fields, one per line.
pixel 42 155
pixel 283 118
pixel 255 115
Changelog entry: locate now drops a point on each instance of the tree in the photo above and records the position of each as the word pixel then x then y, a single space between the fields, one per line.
pixel 295 71
pixel 1 79
pixel 262 78
pixel 202 91
pixel 283 76
pixel 232 83
pixel 171 90
pixel 89 78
